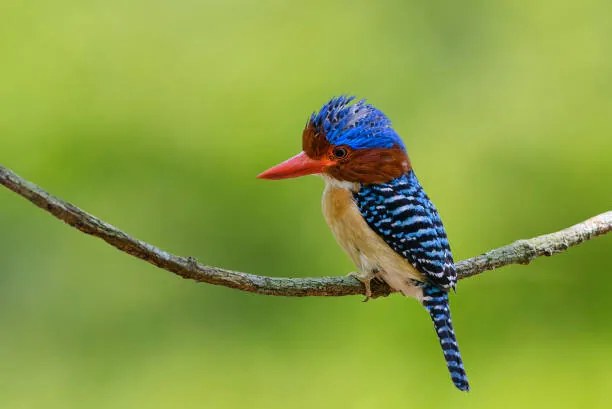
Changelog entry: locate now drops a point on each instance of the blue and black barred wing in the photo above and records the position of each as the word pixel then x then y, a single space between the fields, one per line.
pixel 401 213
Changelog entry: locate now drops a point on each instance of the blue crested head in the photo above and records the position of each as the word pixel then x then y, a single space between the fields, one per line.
pixel 358 125
pixel 347 141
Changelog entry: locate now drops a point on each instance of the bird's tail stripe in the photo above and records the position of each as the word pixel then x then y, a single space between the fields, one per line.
pixel 435 301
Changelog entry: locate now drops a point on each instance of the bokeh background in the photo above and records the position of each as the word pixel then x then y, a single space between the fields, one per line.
pixel 157 115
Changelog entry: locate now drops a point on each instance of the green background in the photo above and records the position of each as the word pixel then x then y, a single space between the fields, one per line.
pixel 157 115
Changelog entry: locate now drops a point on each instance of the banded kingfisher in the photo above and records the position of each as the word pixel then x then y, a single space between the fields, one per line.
pixel 378 211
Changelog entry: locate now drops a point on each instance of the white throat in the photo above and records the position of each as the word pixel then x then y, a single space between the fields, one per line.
pixel 342 184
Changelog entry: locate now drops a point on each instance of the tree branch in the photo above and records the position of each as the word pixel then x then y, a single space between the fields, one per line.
pixel 519 252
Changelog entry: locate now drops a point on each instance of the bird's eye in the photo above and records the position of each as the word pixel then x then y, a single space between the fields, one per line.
pixel 340 153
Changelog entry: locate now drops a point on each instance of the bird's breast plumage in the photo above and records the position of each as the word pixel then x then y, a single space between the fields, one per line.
pixel 367 249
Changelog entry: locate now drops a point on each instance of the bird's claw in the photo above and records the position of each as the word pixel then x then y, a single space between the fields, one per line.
pixel 365 279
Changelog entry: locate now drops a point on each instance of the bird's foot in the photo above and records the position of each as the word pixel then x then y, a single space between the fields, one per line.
pixel 365 278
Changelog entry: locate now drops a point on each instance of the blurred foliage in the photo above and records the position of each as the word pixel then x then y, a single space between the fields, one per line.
pixel 157 115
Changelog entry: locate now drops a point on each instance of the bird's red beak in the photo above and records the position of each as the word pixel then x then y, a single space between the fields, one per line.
pixel 299 165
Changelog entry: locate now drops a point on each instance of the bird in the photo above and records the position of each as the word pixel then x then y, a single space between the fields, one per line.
pixel 378 211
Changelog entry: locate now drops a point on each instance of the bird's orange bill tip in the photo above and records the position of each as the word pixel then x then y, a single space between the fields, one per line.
pixel 299 165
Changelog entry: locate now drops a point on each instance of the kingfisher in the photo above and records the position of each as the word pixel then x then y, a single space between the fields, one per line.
pixel 378 210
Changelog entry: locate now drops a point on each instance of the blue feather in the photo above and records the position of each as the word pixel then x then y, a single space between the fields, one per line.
pixel 358 125
pixel 435 301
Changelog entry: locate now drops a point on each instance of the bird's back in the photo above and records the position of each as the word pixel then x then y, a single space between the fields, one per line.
pixel 403 216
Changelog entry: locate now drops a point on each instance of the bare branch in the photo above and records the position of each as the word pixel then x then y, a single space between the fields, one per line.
pixel 519 252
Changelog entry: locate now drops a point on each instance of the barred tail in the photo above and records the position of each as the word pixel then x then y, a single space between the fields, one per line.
pixel 435 300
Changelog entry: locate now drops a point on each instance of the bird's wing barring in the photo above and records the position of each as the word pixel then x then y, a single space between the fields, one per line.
pixel 403 216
